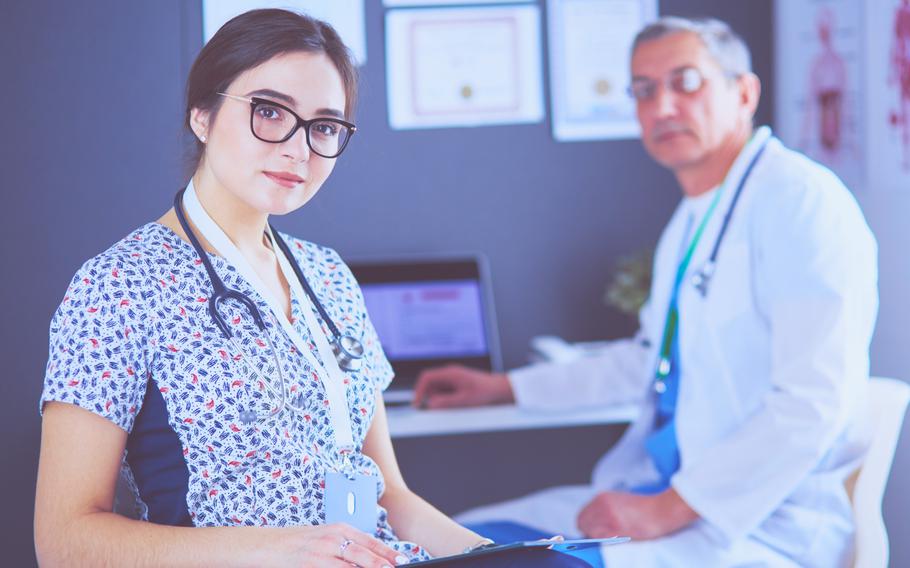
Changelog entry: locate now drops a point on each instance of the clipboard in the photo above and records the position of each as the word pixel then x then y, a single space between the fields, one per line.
pixel 565 546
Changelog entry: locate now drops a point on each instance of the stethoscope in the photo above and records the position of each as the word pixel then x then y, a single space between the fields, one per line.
pixel 347 349
pixel 701 278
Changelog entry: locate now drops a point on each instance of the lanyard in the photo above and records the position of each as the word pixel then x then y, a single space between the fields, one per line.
pixel 670 327
pixel 335 387
pixel 331 375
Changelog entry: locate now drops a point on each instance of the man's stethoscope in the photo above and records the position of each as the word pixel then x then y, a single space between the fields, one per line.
pixel 701 279
pixel 348 351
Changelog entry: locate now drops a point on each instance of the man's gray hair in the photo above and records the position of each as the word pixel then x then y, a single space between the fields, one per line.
pixel 725 45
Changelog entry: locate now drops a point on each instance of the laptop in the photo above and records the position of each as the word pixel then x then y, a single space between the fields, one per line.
pixel 430 311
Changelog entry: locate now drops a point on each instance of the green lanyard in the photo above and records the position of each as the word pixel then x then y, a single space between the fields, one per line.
pixel 670 328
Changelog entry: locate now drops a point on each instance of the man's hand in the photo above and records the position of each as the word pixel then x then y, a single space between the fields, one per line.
pixel 456 385
pixel 642 517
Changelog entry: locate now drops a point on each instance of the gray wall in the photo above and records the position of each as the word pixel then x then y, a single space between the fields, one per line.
pixel 91 113
pixel 886 210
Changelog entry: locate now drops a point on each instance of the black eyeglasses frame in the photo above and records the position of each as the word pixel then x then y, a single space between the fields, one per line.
pixel 301 123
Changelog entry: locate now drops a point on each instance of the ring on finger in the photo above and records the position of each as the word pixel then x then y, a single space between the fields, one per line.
pixel 344 546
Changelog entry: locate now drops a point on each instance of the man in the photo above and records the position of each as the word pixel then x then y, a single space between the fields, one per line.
pixel 752 370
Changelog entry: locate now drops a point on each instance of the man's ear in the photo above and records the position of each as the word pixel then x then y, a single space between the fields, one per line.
pixel 199 122
pixel 749 93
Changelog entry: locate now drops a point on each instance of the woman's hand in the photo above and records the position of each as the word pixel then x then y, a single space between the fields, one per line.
pixel 336 545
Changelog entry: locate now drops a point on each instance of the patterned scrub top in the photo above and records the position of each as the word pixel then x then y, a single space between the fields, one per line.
pixel 135 320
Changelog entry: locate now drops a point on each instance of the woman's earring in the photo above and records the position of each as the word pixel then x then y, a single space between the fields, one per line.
pixel 203 139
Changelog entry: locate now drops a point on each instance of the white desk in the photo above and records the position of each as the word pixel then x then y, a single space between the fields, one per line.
pixel 406 422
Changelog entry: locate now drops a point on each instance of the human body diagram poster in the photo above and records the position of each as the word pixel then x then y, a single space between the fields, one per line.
pixel 889 96
pixel 820 83
pixel 843 87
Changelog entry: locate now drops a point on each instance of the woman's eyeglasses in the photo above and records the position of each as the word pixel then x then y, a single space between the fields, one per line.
pixel 275 123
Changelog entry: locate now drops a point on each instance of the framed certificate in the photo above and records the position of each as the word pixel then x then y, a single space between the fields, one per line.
pixel 463 66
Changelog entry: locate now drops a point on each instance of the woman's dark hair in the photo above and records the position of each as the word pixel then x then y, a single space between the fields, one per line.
pixel 251 39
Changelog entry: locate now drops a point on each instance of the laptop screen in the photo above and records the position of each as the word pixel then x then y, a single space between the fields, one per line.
pixel 430 312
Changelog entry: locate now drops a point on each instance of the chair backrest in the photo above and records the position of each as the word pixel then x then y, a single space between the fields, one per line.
pixel 888 400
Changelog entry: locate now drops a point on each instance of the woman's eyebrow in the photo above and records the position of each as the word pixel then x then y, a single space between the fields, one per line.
pixel 273 94
pixel 330 112
pixel 292 102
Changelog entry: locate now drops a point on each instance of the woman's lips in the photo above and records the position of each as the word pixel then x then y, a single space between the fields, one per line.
pixel 284 179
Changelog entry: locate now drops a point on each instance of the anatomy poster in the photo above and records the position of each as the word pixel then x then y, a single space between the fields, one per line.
pixel 889 94
pixel 821 106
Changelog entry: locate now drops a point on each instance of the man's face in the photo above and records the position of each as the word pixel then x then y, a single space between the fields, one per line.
pixel 682 129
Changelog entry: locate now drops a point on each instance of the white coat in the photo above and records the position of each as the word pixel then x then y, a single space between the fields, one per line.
pixel 774 367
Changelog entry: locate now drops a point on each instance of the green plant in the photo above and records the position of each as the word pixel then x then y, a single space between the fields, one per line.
pixel 628 290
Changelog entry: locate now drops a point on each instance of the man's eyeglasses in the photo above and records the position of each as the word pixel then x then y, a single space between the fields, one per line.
pixel 682 81
pixel 276 123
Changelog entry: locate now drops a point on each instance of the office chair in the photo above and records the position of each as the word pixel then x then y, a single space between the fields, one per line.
pixel 888 400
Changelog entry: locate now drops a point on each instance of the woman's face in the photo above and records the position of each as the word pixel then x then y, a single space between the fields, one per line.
pixel 271 178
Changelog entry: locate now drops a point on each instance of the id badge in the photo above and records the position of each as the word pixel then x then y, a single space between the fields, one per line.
pixel 351 501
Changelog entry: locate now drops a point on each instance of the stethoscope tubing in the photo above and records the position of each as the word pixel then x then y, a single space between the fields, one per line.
pixel 220 291
pixel 286 251
pixel 702 277
pixel 349 355
pixel 712 260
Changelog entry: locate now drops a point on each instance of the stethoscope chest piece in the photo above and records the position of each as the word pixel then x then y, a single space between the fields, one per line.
pixel 702 278
pixel 348 352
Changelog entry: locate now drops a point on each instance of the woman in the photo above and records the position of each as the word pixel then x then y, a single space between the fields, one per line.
pixel 232 416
